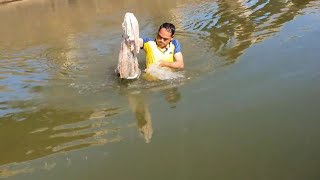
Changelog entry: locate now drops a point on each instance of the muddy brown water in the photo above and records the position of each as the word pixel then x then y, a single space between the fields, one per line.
pixel 247 107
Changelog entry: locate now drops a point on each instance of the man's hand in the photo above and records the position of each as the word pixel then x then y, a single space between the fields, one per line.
pixel 162 63
pixel 177 64
pixel 141 42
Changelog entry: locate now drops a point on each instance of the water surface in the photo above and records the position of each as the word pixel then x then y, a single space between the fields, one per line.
pixel 246 108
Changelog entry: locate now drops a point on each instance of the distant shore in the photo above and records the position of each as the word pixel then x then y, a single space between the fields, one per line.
pixel 8 1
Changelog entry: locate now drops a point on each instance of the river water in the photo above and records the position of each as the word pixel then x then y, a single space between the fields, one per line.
pixel 247 106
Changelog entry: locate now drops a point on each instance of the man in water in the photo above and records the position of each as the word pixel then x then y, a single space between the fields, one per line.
pixel 163 50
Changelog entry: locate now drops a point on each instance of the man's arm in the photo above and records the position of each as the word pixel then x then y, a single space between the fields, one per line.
pixel 177 64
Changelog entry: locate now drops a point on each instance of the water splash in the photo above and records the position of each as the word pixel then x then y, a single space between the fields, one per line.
pixel 162 73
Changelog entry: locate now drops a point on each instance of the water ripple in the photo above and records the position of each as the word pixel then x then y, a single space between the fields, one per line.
pixel 50 132
pixel 232 27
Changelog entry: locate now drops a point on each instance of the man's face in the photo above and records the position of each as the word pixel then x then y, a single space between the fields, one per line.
pixel 163 38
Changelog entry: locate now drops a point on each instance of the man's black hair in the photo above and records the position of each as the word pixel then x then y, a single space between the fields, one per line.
pixel 169 27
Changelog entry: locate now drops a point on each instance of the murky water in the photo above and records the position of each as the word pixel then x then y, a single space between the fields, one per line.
pixel 247 106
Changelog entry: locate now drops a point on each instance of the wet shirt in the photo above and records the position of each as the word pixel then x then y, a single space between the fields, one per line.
pixel 154 53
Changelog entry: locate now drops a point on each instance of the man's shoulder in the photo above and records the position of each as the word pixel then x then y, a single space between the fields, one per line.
pixel 177 47
pixel 175 41
pixel 145 40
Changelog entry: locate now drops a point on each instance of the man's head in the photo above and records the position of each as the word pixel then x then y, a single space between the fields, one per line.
pixel 165 34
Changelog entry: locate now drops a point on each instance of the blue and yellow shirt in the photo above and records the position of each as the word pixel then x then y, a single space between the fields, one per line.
pixel 154 53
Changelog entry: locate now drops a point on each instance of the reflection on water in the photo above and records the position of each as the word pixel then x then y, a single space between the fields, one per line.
pixel 6 172
pixel 141 110
pixel 56 57
pixel 139 104
pixel 40 126
pixel 233 26
pixel 38 134
pixel 172 96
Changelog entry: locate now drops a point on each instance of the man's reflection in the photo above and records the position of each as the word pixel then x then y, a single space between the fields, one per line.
pixel 172 96
pixel 141 110
pixel 139 104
